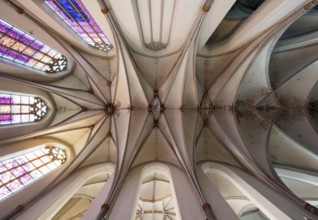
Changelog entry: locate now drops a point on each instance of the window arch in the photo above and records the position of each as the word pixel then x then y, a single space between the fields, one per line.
pixel 75 15
pixel 19 47
pixel 20 170
pixel 21 109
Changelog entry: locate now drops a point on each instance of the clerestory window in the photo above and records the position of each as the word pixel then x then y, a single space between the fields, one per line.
pixel 15 109
pixel 19 47
pixel 19 171
pixel 75 15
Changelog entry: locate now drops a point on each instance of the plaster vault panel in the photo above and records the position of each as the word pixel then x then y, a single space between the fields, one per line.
pixel 176 93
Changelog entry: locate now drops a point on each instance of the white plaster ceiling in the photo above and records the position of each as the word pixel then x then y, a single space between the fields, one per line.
pixel 105 104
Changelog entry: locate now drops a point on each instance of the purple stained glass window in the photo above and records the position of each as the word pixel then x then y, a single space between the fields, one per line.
pixel 21 48
pixel 21 170
pixel 21 109
pixel 75 14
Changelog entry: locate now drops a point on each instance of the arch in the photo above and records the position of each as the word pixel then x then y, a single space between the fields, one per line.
pixel 53 201
pixel 303 183
pixel 34 189
pixel 83 198
pixel 156 196
pixel 26 107
pixel 232 194
pixel 21 48
pixel 16 109
pixel 21 169
pixel 236 16
pixel 187 204
pixel 271 203
pixel 76 16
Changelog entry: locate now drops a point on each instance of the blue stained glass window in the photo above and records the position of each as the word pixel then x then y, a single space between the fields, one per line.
pixel 75 14
pixel 72 10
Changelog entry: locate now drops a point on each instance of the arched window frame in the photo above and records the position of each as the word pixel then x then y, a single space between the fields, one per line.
pixel 21 48
pixel 22 168
pixel 19 109
pixel 81 22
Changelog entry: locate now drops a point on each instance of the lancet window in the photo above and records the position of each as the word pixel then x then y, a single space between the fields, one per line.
pixel 21 109
pixel 19 171
pixel 19 47
pixel 75 14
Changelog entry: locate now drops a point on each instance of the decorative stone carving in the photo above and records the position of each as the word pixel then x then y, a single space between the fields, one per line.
pixel 155 18
pixel 156 46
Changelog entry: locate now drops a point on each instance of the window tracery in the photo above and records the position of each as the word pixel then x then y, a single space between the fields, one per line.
pixel 19 47
pixel 16 109
pixel 75 14
pixel 19 171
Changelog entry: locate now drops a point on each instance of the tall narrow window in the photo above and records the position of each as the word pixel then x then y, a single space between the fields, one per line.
pixel 74 13
pixel 19 171
pixel 19 47
pixel 21 109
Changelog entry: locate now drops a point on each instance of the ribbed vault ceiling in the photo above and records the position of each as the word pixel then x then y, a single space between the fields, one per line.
pixel 225 87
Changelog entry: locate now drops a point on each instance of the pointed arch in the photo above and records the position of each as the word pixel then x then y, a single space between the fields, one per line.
pixel 238 200
pixel 302 182
pixel 18 171
pixel 76 206
pixel 236 186
pixel 21 48
pixel 76 16
pixel 156 196
pixel 70 188
pixel 16 109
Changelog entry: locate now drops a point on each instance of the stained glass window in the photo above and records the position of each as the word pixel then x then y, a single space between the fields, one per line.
pixel 19 47
pixel 21 109
pixel 74 13
pixel 21 170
